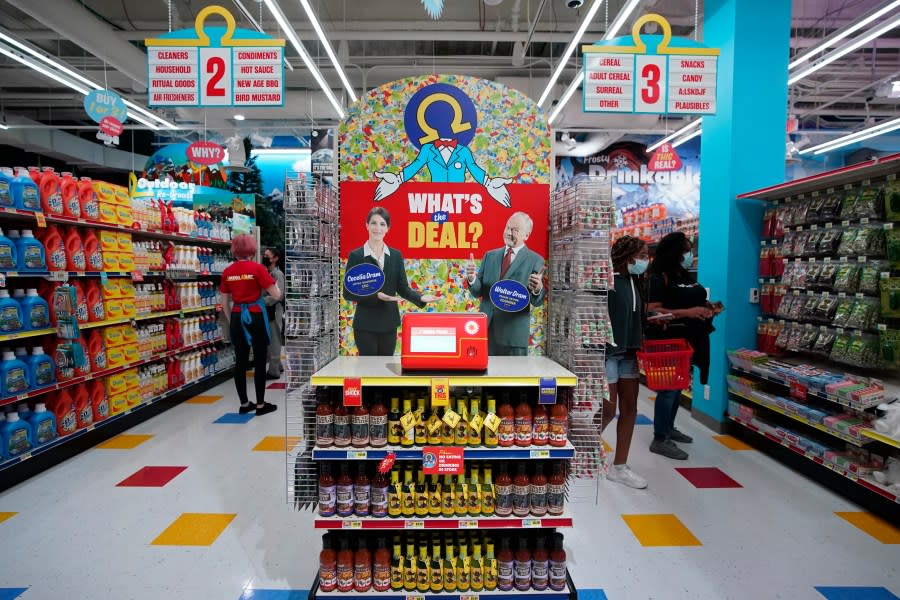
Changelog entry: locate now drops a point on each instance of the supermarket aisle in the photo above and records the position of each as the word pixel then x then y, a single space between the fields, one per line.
pixel 192 504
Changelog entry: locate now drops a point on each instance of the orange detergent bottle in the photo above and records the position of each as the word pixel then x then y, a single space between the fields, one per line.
pixel 51 194
pixel 54 248
pixel 74 250
pixel 81 307
pixel 94 296
pixel 93 256
pixel 83 412
pixel 69 188
pixel 87 199
pixel 63 406
pixel 96 351
pixel 99 400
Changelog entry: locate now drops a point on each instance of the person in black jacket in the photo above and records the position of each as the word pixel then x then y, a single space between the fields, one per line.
pixel 377 317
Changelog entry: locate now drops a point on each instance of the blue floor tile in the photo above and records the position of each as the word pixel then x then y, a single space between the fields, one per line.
pixel 274 595
pixel 235 418
pixel 641 420
pixel 851 593
pixel 591 595
pixel 11 593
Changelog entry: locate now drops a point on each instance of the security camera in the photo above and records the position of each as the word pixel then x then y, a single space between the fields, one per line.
pixel 574 3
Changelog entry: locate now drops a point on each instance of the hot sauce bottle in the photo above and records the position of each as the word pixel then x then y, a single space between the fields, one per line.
pixel 379 495
pixel 522 566
pixel 381 570
pixel 559 424
pixel 540 567
pixel 409 566
pixel 362 568
pixel 556 490
pixel 344 492
pixel 540 432
pixel 362 491
pixel 557 564
pixel 408 437
pixel 327 493
pixel 434 497
pixel 523 422
pixel 521 492
pixel 448 504
pixel 345 566
pixel 491 439
pixel 324 425
pixel 488 498
pixel 327 566
pixel 460 497
pixel 437 566
pixel 449 568
pixel 378 424
pixel 395 496
pixel 476 568
pixel 475 421
pixel 538 492
pixel 395 431
pixel 447 432
pixel 409 496
pixel 359 426
pixel 490 567
pixel 506 433
pixel 397 565
pixel 504 493
pixel 461 433
pixel 505 566
pixel 342 434
pixel 421 495
pixel 420 433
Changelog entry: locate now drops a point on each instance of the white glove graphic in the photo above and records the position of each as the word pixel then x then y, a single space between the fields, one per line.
pixel 388 184
pixel 496 187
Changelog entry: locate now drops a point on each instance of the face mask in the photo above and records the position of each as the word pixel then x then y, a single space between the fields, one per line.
pixel 639 266
pixel 266 262
pixel 687 259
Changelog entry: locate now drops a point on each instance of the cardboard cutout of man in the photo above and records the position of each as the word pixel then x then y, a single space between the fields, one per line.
pixel 508 333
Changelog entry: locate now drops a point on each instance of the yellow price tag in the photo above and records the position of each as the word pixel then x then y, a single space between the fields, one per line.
pixel 433 424
pixel 492 422
pixel 41 219
pixel 440 391
pixel 476 422
pixel 451 418
pixel 409 420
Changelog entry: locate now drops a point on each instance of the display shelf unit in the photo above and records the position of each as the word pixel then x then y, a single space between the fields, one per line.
pixel 473 453
pixel 880 437
pixel 464 523
pixel 548 594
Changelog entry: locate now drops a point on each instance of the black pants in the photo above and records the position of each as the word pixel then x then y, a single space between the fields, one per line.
pixel 374 343
pixel 257 329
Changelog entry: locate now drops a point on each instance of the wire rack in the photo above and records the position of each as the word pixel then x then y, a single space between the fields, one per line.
pixel 311 320
pixel 580 272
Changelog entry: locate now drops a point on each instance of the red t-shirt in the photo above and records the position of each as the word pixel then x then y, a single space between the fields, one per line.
pixel 245 280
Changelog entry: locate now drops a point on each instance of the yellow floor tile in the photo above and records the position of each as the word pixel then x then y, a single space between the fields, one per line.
pixel 194 529
pixel 275 443
pixel 660 530
pixel 125 441
pixel 606 446
pixel 203 400
pixel 4 516
pixel 732 443
pixel 878 528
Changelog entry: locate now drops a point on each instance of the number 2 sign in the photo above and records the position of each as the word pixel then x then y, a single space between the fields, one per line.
pixel 621 75
pixel 215 66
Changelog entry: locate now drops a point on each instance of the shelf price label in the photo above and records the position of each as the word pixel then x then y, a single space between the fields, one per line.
pixel 417 524
pixel 531 523
pixel 415 597
pixel 468 524
pixel 357 454
pixel 540 454
pixel 468 597
pixel 351 525
pixel 352 391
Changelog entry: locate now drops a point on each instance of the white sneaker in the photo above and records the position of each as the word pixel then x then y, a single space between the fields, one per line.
pixel 624 475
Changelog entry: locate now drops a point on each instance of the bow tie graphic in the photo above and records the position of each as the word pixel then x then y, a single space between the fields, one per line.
pixel 441 144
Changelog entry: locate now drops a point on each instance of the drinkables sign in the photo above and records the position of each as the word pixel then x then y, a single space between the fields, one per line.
pixel 215 66
pixel 655 74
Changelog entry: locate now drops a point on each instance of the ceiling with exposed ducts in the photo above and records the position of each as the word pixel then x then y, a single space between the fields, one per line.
pixel 382 40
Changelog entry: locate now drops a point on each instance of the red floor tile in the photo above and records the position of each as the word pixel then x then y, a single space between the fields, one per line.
pixel 151 477
pixel 708 477
pixel 277 386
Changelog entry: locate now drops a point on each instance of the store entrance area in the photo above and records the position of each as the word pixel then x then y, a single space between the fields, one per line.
pixel 181 506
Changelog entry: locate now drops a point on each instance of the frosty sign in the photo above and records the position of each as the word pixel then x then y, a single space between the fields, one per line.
pixel 215 66
pixel 655 74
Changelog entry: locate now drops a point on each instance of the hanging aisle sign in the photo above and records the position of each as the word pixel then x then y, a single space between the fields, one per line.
pixel 654 74
pixel 215 66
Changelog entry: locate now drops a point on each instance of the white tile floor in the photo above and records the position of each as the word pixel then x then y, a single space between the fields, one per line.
pixel 77 535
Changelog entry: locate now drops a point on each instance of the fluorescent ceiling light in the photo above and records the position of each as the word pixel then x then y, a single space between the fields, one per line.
pixel 672 136
pixel 291 35
pixel 4 126
pixel 620 19
pixel 686 138
pixel 270 151
pixel 847 48
pixel 831 40
pixel 239 117
pixel 564 59
pixel 852 138
pixel 328 50
pixel 257 26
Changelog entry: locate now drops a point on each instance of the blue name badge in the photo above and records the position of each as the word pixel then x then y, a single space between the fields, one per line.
pixel 548 391
pixel 509 295
pixel 364 279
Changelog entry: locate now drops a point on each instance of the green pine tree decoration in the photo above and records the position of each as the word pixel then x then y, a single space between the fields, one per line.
pixel 269 213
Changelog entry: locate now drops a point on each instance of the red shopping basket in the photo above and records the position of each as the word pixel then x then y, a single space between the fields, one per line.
pixel 666 364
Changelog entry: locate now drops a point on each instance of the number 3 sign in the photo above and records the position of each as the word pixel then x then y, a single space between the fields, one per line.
pixel 215 66
pixel 679 76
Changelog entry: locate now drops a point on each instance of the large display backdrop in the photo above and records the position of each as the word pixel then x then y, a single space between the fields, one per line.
pixel 444 208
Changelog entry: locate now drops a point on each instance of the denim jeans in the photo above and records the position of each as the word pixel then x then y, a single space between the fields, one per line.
pixel 664 410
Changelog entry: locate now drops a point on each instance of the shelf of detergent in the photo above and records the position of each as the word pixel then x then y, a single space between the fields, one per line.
pixel 80 432
pixel 44 196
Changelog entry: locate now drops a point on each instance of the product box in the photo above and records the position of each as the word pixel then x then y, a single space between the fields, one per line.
pixel 109 241
pixel 118 403
pixel 126 261
pixel 124 242
pixel 111 289
pixel 132 379
pixel 134 397
pixel 108 213
pixel 115 357
pixel 124 216
pixel 129 335
pixel 110 261
pixel 121 196
pixel 114 309
pixel 126 289
pixel 106 192
pixel 132 353
pixel 116 384
pixel 112 336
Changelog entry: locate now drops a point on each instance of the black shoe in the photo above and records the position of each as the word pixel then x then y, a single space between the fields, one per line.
pixel 668 449
pixel 270 377
pixel 681 438
pixel 265 409
pixel 245 408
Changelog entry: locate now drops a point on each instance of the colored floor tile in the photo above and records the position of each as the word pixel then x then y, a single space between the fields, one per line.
pixel 203 400
pixel 11 593
pixel 275 443
pixel 124 441
pixel 878 528
pixel 151 477
pixel 235 418
pixel 7 515
pixel 278 385
pixel 707 477
pixel 660 530
pixel 643 420
pixel 732 443
pixel 277 595
pixel 855 593
pixel 194 529
pixel 606 446
pixel 591 595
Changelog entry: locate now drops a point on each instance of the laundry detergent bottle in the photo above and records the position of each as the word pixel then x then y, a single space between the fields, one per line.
pixel 14 375
pixel 43 424
pixel 96 310
pixel 74 250
pixel 55 249
pixel 68 185
pixel 87 198
pixel 93 255
pixel 8 254
pixel 7 199
pixel 51 194
pixel 99 399
pixel 16 436
pixel 10 314
pixel 81 307
pixel 96 348
pixel 43 371
pixel 84 414
pixel 63 406
pixel 30 252
pixel 35 310
pixel 25 191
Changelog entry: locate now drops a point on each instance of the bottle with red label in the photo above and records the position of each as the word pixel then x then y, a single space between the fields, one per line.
pixel 362 491
pixel 87 198
pixel 342 433
pixel 540 432
pixel 359 426
pixel 503 490
pixel 345 566
pixel 506 432
pixel 556 490
pixel 327 565
pixel 379 497
pixel 76 260
pixel 54 248
pixel 538 492
pixel 94 298
pixel 557 579
pixel 524 423
pixel 381 570
pixel 362 567
pixel 327 492
pixel 378 423
pixel 68 187
pixel 521 493
pixel 84 414
pixel 51 195
pixel 559 424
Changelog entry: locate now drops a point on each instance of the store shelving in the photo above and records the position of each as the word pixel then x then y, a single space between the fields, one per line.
pixel 880 437
pixel 415 523
pixel 548 594
pixel 10 337
pixel 472 453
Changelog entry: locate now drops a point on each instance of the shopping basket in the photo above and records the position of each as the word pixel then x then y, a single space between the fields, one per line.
pixel 666 364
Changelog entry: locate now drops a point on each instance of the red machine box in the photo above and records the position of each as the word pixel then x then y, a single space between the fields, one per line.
pixel 444 342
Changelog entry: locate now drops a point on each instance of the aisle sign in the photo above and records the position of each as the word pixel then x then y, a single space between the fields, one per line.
pixel 651 74
pixel 352 391
pixel 215 66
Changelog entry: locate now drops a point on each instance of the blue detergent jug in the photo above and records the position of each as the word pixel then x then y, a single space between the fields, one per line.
pixel 22 354
pixel 8 254
pixel 42 367
pixel 25 191
pixel 35 311
pixel 16 436
pixel 43 424
pixel 14 375
pixel 31 252
pixel 10 314
pixel 6 181
pixel 24 412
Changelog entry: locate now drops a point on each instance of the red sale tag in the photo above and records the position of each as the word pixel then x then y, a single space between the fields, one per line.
pixel 798 391
pixel 387 463
pixel 440 460
pixel 352 391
